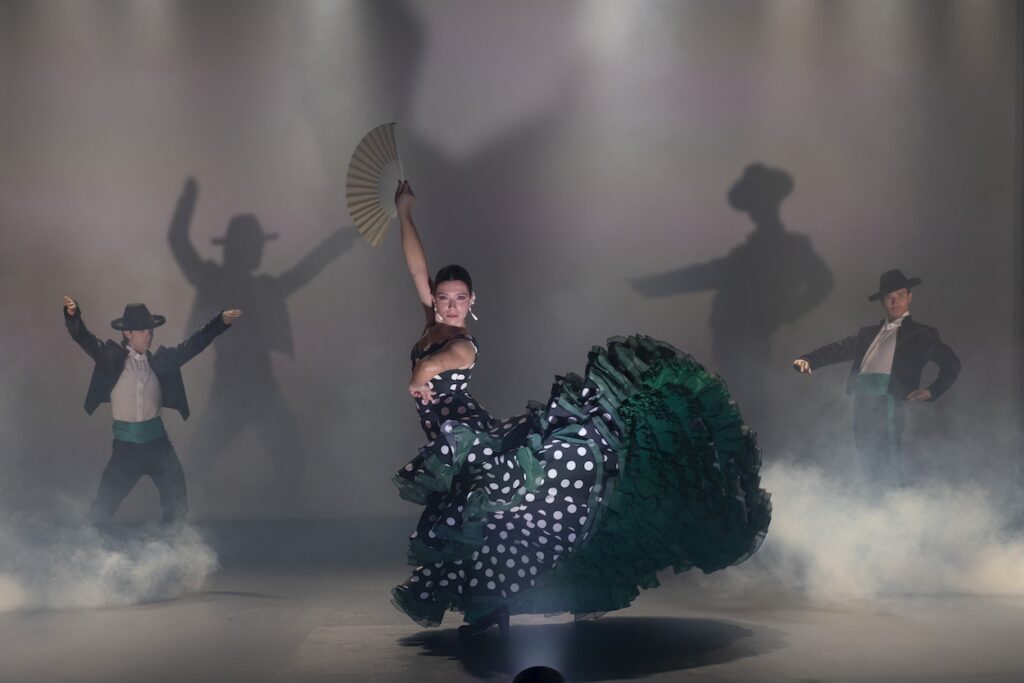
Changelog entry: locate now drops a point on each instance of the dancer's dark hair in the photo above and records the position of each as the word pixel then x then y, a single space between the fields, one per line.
pixel 453 272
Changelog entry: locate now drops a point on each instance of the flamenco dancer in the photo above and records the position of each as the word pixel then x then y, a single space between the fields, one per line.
pixel 137 384
pixel 642 464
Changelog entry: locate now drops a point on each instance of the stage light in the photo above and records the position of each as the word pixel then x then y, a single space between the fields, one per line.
pixel 539 674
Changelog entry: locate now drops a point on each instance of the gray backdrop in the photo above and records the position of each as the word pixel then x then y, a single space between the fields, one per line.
pixel 558 150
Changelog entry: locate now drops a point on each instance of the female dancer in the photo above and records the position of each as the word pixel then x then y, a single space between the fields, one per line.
pixel 642 464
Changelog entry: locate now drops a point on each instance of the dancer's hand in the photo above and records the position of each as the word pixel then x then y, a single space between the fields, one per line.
pixel 802 366
pixel 70 306
pixel 404 198
pixel 919 395
pixel 424 392
pixel 230 316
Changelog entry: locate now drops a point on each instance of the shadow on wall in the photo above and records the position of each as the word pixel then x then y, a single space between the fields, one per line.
pixel 773 278
pixel 244 393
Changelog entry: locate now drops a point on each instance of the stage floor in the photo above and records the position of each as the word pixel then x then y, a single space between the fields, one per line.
pixel 261 620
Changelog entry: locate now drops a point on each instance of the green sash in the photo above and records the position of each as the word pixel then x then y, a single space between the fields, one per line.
pixel 139 432
pixel 877 384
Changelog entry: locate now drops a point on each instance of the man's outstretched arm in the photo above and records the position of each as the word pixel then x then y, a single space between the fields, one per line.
pixel 79 332
pixel 830 354
pixel 191 347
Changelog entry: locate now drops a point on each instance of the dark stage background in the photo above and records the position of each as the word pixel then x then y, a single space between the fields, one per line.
pixel 564 152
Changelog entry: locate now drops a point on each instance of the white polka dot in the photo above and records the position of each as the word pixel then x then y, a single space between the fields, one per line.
pixel 514 587
pixel 588 465
pixel 424 596
pixel 552 473
pixel 473 582
pixel 488 451
pixel 557 514
pixel 581 450
pixel 571 465
pixel 450 521
pixel 578 484
pixel 444 450
pixel 510 563
pixel 565 483
pixel 558 455
pixel 490 585
pixel 583 431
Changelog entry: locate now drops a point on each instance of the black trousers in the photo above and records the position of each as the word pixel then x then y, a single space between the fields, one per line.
pixel 129 463
pixel 878 436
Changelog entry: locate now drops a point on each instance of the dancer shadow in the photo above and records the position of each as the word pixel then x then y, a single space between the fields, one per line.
pixel 245 394
pixel 610 649
pixel 773 278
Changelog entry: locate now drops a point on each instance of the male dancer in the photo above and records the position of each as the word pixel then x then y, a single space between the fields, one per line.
pixel 888 359
pixel 137 384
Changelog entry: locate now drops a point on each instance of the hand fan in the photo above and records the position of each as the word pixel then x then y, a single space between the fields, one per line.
pixel 373 174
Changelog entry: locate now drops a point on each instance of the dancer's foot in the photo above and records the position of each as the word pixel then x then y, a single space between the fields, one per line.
pixel 498 617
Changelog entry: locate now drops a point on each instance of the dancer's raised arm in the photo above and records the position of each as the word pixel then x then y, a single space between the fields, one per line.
pixel 415 257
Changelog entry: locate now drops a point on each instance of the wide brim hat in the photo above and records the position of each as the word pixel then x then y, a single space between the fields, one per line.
pixel 244 228
pixel 137 317
pixel 891 280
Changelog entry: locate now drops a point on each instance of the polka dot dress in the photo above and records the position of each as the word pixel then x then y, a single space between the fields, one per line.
pixel 490 530
pixel 505 502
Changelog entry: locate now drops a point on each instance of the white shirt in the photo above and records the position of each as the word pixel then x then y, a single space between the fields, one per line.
pixel 878 357
pixel 136 396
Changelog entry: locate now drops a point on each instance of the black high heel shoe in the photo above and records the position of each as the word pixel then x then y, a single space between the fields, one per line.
pixel 498 617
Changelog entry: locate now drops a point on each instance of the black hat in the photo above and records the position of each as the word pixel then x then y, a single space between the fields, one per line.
pixel 137 317
pixel 892 280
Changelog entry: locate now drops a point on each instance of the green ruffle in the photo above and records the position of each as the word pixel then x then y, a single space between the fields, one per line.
pixel 687 494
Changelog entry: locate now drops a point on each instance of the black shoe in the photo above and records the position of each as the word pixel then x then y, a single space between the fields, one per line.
pixel 498 617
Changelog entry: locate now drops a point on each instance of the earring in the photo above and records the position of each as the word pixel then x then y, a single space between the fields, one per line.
pixel 437 316
pixel 471 313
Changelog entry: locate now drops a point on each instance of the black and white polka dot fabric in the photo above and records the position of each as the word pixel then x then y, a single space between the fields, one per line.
pixel 504 500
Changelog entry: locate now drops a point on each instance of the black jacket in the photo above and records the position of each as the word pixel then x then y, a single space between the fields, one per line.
pixel 916 344
pixel 166 363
